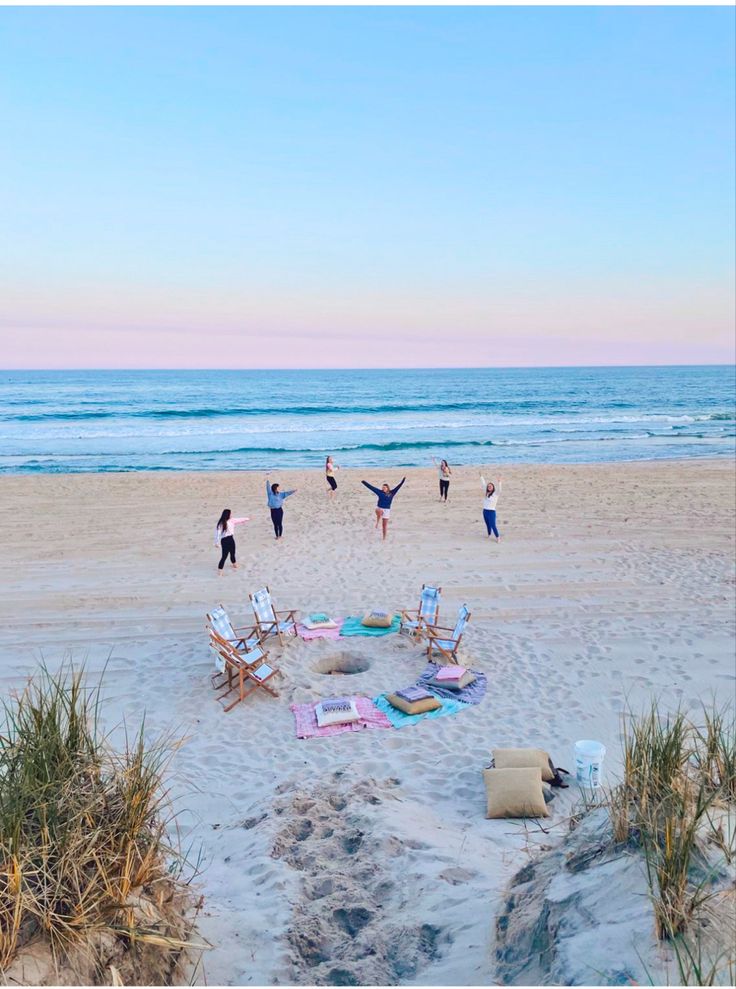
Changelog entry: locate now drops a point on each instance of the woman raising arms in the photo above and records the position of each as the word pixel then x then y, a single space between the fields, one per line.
pixel 383 508
pixel 490 500
pixel 225 537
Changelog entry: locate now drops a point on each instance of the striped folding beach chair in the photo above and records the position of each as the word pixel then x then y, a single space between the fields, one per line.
pixel 447 645
pixel 240 639
pixel 269 621
pixel 244 672
pixel 428 612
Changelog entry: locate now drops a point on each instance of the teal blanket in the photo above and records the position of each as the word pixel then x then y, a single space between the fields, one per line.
pixel 352 626
pixel 400 720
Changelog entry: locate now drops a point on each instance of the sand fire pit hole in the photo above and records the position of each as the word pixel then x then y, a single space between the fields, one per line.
pixel 342 662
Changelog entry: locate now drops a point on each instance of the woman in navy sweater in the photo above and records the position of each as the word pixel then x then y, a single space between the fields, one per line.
pixel 383 509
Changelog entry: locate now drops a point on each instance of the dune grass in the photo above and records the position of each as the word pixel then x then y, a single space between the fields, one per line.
pixel 678 781
pixel 82 827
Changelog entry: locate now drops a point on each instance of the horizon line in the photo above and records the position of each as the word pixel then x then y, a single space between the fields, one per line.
pixel 282 370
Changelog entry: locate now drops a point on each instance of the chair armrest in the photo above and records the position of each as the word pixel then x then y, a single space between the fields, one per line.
pixel 290 614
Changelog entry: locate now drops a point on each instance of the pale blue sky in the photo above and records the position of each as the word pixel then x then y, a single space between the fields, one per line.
pixel 539 185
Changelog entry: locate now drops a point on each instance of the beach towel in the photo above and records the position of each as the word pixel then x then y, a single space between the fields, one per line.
pixel 400 720
pixel 306 719
pixel 354 626
pixel 472 694
pixel 319 633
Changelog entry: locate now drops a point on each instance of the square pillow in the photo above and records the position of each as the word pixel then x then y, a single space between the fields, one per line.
pixel 523 759
pixel 414 692
pixel 319 621
pixel 514 793
pixel 345 715
pixel 377 619
pixel 449 673
pixel 465 680
pixel 413 707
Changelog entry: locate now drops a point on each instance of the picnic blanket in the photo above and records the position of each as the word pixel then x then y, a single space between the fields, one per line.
pixel 400 720
pixel 354 626
pixel 472 694
pixel 319 633
pixel 307 727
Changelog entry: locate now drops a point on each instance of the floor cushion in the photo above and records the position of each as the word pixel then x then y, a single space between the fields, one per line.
pixel 514 793
pixel 524 759
pixel 377 619
pixel 336 714
pixel 465 680
pixel 413 707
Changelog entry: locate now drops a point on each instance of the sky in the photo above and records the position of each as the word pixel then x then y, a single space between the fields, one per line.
pixel 362 187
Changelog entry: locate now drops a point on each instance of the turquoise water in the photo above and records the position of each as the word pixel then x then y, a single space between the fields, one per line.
pixel 217 420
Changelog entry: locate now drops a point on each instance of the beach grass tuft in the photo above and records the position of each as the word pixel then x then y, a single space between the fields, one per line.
pixel 84 855
pixel 677 786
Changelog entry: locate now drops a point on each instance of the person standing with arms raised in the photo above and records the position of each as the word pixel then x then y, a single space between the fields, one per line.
pixel 445 474
pixel 383 509
pixel 276 499
pixel 490 501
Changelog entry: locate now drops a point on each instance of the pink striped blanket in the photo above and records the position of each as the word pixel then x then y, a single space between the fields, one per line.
pixel 307 727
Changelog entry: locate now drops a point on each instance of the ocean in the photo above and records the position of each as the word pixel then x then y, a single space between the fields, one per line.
pixel 72 421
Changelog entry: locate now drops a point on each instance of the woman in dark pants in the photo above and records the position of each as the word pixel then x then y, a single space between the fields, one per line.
pixel 276 501
pixel 445 474
pixel 225 538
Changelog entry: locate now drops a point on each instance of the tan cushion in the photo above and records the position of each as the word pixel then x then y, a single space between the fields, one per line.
pixel 523 759
pixel 413 707
pixel 465 680
pixel 377 619
pixel 514 793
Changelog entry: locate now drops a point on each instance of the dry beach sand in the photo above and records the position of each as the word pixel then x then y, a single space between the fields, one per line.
pixel 366 857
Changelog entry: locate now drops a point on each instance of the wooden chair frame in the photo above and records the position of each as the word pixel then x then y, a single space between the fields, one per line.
pixel 239 672
pixel 438 633
pixel 414 615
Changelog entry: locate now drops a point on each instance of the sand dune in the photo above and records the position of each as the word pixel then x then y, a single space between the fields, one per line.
pixel 366 857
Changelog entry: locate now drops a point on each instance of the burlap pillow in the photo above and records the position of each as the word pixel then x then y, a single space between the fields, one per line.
pixel 524 759
pixel 465 680
pixel 377 619
pixel 514 793
pixel 413 707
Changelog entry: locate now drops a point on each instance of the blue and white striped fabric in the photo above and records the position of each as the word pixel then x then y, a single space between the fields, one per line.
pixel 462 621
pixel 220 622
pixel 263 606
pixel 429 604
pixel 429 607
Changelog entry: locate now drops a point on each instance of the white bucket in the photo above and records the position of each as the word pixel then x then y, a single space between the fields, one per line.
pixel 589 762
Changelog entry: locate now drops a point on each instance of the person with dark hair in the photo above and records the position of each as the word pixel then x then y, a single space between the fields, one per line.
pixel 383 508
pixel 225 537
pixel 490 501
pixel 445 472
pixel 276 499
pixel 330 469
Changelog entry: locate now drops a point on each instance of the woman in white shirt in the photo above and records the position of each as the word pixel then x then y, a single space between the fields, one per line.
pixel 489 506
pixel 225 538
pixel 445 474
